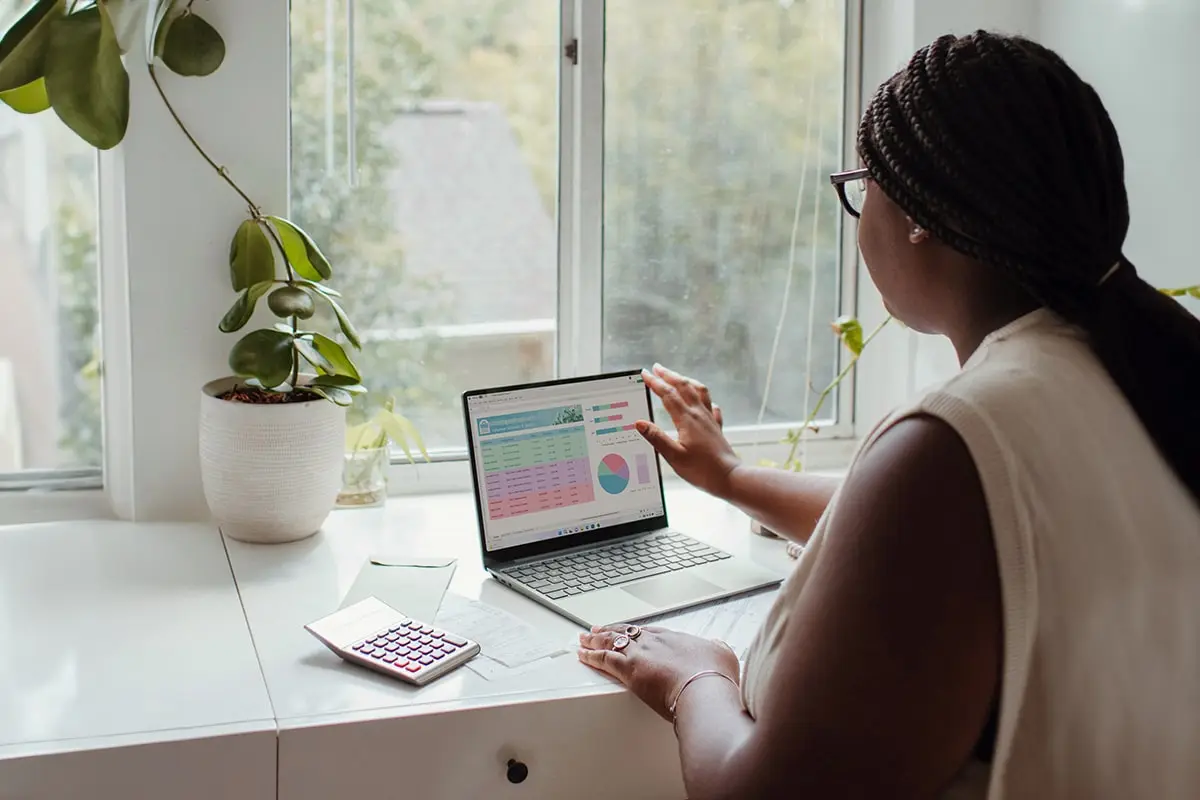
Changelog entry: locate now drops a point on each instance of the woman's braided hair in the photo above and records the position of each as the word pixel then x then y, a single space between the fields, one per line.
pixel 996 147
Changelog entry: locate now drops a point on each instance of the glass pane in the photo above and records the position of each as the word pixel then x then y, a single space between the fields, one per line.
pixel 49 331
pixel 440 220
pixel 723 122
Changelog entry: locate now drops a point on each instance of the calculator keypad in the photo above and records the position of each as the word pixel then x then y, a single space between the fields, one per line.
pixel 409 648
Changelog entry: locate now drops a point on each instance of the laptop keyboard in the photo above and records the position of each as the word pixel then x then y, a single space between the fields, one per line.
pixel 588 570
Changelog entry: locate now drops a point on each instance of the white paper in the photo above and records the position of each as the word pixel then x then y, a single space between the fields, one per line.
pixel 734 621
pixel 493 670
pixel 502 637
pixel 415 590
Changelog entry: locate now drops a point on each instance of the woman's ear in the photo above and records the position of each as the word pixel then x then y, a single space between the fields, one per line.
pixel 916 234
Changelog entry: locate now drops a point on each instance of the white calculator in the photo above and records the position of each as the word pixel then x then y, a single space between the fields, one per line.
pixel 377 636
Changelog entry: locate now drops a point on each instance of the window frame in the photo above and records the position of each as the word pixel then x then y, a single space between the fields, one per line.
pixel 151 469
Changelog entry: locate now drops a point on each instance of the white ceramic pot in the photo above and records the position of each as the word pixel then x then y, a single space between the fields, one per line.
pixel 271 473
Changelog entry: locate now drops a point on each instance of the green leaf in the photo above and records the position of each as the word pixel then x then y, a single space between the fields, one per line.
pixel 317 287
pixel 1174 292
pixel 265 355
pixel 400 430
pixel 291 301
pixel 302 252
pixel 24 46
pixel 328 356
pixel 86 81
pixel 344 323
pixel 28 99
pixel 341 381
pixel 243 307
pixel 1194 292
pixel 333 394
pixel 850 331
pixel 251 259
pixel 191 47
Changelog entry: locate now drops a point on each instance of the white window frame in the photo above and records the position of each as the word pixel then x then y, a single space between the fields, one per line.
pixel 165 221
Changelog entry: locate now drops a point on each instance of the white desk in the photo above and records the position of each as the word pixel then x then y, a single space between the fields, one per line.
pixel 343 729
pixel 126 669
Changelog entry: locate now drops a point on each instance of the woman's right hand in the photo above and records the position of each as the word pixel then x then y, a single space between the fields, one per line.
pixel 701 455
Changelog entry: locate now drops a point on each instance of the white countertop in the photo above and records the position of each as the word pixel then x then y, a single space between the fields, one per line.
pixel 121 633
pixel 285 586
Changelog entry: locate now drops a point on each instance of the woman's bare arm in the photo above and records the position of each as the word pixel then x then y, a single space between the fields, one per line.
pixel 789 503
pixel 892 656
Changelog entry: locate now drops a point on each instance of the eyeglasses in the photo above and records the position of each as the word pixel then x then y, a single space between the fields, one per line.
pixel 851 187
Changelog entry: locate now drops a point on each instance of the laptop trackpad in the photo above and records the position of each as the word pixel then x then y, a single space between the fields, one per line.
pixel 667 590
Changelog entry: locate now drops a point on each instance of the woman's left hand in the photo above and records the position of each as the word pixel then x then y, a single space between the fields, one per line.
pixel 657 662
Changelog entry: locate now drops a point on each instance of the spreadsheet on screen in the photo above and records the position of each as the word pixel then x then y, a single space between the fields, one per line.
pixel 562 459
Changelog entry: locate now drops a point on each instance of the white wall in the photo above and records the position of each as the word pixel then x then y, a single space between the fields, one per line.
pixel 893 31
pixel 1142 57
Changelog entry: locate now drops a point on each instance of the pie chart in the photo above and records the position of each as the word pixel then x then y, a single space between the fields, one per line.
pixel 613 473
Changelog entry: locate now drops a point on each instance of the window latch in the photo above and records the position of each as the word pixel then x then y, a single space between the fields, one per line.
pixel 571 51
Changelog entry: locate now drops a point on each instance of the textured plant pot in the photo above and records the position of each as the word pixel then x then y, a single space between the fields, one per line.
pixel 271 473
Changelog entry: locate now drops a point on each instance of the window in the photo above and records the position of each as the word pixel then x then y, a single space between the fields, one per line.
pixel 721 236
pixel 424 158
pixel 425 153
pixel 49 332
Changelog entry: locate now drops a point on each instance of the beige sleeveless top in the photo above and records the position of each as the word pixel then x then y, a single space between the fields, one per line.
pixel 1098 545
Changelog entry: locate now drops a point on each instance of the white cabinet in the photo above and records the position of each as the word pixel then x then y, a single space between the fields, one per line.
pixel 222 765
pixel 602 746
pixel 126 669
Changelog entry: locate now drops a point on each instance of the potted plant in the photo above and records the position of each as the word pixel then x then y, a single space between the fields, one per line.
pixel 368 454
pixel 272 434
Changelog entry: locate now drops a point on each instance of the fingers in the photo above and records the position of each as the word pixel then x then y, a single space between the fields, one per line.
pixel 660 440
pixel 667 393
pixel 719 416
pixel 595 650
pixel 606 661
pixel 685 385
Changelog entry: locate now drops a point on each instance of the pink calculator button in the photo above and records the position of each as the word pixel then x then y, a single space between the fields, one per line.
pixel 413 667
pixel 454 640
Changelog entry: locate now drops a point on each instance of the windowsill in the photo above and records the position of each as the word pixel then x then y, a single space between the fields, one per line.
pixel 174 605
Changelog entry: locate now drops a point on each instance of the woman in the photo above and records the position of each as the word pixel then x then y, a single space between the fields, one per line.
pixel 1003 597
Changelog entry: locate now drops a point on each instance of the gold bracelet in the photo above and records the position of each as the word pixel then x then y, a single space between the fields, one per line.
pixel 702 673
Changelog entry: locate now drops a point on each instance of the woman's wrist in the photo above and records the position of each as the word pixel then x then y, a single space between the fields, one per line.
pixel 706 694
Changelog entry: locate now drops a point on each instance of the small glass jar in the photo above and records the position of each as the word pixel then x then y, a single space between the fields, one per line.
pixel 364 478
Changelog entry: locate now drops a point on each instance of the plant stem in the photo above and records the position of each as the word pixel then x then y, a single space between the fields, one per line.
pixel 254 211
pixel 828 390
pixel 295 352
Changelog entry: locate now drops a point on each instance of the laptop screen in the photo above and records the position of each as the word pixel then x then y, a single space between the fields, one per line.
pixel 562 459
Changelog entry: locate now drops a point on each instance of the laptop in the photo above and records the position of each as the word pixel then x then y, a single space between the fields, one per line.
pixel 571 509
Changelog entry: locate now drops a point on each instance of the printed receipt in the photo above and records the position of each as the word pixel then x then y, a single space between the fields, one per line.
pixel 502 637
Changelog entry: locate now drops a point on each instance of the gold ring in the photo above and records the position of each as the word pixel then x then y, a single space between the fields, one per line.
pixel 621 642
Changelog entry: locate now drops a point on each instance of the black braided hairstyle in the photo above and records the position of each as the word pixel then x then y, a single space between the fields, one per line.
pixel 997 148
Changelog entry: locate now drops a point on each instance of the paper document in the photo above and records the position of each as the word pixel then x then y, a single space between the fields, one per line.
pixel 734 621
pixel 503 637
pixel 415 589
pixel 493 670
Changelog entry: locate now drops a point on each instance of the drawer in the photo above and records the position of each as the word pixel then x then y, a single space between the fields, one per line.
pixel 231 767
pixel 579 748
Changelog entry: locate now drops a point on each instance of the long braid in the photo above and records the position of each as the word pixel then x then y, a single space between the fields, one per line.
pixel 996 147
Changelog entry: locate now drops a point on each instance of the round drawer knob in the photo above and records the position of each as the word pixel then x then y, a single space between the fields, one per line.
pixel 517 771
